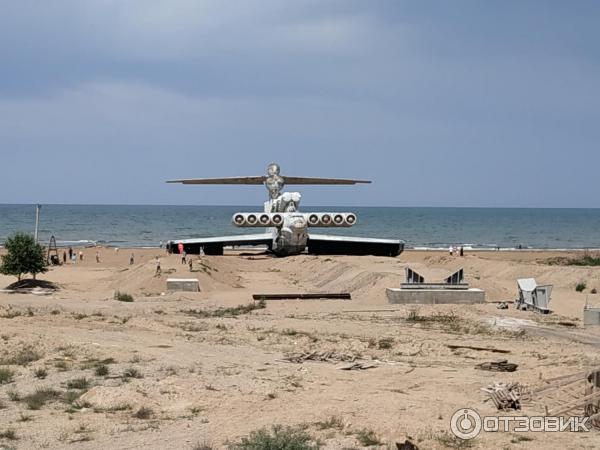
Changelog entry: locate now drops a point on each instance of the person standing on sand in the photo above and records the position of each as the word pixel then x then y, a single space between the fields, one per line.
pixel 97 257
pixel 70 253
pixel 158 271
pixel 462 251
pixel 131 259
pixel 80 255
pixel 64 257
pixel 190 264
pixel 183 256
pixel 74 258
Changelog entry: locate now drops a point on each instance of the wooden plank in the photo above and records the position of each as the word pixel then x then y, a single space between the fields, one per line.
pixel 481 349
pixel 311 296
pixel 579 403
pixel 561 384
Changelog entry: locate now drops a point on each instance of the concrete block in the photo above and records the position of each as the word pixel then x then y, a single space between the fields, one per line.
pixel 183 284
pixel 435 296
pixel 591 317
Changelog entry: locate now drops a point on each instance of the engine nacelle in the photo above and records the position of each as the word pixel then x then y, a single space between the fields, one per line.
pixel 333 219
pixel 259 219
pixel 276 220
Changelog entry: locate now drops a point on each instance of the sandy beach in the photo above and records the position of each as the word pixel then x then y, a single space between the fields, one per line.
pixel 202 376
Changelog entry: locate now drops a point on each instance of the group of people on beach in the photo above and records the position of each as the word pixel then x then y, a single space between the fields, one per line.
pixel 456 251
pixel 73 256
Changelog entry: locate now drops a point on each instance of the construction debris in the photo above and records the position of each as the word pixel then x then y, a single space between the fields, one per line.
pixel 313 296
pixel 481 349
pixel 331 356
pixel 576 394
pixel 505 396
pixel 359 366
pixel 501 365
pixel 502 305
pixel 533 297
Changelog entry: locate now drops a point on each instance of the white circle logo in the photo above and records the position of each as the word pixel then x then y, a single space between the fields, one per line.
pixel 465 424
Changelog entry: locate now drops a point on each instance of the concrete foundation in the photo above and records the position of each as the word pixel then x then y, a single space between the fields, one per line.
pixel 183 284
pixel 591 317
pixel 435 296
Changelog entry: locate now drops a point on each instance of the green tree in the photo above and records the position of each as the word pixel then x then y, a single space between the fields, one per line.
pixel 23 255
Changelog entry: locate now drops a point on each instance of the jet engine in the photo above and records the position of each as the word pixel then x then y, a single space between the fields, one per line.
pixel 257 219
pixel 334 219
pixel 316 219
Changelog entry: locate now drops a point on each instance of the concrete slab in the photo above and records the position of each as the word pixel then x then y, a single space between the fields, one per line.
pixel 591 317
pixel 435 296
pixel 183 284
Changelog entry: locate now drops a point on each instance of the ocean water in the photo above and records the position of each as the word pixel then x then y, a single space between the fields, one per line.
pixel 478 228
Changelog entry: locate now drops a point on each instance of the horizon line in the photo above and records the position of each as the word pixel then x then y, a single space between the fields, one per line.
pixel 305 205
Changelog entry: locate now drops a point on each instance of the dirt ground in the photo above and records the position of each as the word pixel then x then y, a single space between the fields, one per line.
pixel 171 370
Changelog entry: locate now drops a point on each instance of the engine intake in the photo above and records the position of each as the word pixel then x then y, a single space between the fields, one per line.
pixel 325 219
pixel 257 219
pixel 317 219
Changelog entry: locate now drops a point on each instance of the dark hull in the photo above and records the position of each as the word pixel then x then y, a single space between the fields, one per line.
pixel 318 247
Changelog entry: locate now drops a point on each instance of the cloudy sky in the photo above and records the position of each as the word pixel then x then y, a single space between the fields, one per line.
pixel 462 103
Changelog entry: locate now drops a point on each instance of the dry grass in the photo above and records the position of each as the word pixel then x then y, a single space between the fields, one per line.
pixel 22 357
pixel 226 312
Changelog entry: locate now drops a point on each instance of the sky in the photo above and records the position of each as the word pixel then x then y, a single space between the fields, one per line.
pixel 439 103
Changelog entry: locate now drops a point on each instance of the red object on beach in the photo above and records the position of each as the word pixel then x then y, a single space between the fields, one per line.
pixel 180 247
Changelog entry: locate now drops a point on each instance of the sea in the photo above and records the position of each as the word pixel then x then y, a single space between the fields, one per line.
pixel 421 228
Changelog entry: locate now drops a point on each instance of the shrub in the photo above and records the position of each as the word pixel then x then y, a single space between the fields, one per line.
pixel 331 422
pixel 367 438
pixel 23 255
pixel 101 370
pixel 8 434
pixel 40 373
pixel 71 397
pixel 23 357
pixel 6 376
pixel 143 413
pixel 78 383
pixel 385 343
pixel 123 297
pixel 40 397
pixel 580 287
pixel 279 438
pixel 132 372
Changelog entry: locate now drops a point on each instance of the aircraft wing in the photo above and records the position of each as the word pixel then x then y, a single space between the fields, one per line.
pixel 324 244
pixel 214 245
pixel 226 180
pixel 313 180
pixel 261 180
